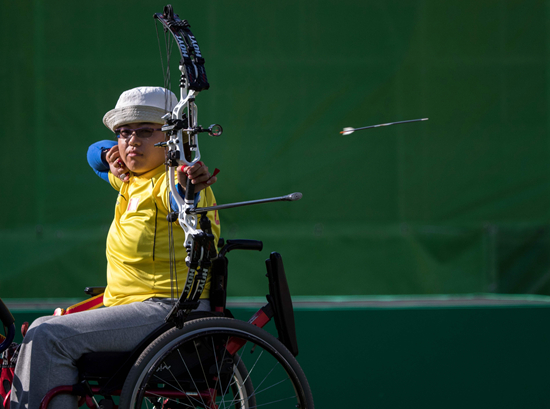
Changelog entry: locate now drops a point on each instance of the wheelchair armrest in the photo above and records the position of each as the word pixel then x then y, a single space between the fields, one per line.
pixel 240 244
pixel 93 291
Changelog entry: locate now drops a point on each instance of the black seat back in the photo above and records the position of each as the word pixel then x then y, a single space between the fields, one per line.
pixel 281 301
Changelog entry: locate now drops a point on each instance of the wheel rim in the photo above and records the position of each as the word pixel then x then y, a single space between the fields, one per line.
pixel 201 369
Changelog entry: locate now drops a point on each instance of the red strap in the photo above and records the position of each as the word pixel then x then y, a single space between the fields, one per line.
pixel 216 171
pixel 90 304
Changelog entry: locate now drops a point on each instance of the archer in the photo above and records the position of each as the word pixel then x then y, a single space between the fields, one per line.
pixel 139 293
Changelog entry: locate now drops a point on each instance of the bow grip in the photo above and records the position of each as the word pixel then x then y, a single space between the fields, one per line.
pixel 190 191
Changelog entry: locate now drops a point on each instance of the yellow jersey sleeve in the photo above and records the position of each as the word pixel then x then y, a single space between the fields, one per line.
pixel 115 182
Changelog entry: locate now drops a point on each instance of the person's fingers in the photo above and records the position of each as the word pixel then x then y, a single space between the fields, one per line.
pixel 112 154
pixel 211 180
pixel 108 156
pixel 198 173
pixel 204 185
pixel 182 175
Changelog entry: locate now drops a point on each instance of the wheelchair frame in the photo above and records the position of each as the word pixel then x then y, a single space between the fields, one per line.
pixel 109 380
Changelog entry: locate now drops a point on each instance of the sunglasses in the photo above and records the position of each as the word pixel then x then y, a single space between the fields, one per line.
pixel 142 133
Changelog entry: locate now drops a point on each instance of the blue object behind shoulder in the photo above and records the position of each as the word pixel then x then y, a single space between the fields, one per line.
pixel 100 166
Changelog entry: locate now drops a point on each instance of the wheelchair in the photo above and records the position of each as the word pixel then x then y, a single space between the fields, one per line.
pixel 213 361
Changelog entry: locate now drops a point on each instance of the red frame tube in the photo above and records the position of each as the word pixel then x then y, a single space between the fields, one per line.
pixel 209 396
pixel 260 319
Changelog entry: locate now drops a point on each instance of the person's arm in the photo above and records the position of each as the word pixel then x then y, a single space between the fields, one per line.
pixel 96 158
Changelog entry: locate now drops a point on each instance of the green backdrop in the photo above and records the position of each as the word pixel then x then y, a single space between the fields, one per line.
pixel 457 204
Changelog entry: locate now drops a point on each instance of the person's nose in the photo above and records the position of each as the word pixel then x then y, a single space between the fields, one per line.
pixel 134 140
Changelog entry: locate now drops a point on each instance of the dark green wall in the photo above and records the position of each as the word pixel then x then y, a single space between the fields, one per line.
pixel 451 355
pixel 453 205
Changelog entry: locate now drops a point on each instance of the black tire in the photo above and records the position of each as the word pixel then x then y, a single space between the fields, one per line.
pixel 195 360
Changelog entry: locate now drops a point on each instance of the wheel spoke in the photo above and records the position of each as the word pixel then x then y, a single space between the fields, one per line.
pixel 191 376
pixel 203 373
pixel 248 376
pixel 216 361
pixel 265 377
pixel 234 369
pixel 269 387
pixel 186 394
pixel 172 400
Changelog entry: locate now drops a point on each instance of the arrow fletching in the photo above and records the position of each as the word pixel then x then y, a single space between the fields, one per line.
pixel 348 131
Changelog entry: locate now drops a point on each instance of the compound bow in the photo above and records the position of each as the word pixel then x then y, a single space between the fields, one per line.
pixel 182 145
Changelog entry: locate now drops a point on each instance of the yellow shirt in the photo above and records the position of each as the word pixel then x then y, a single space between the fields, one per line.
pixel 138 265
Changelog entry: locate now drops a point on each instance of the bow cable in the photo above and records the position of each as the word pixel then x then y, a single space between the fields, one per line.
pixel 168 41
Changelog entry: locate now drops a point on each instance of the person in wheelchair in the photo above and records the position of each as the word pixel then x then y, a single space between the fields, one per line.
pixel 139 290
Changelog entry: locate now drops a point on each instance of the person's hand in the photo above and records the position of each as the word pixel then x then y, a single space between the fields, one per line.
pixel 116 165
pixel 198 174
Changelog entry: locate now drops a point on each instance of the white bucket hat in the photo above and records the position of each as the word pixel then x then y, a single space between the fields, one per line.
pixel 141 104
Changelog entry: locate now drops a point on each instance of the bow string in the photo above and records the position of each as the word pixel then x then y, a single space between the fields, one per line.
pixel 182 148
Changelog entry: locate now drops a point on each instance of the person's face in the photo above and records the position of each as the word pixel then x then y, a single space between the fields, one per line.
pixel 137 149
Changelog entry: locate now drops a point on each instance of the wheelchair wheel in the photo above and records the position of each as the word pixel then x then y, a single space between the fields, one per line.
pixel 216 363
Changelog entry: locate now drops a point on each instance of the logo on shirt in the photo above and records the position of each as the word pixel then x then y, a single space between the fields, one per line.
pixel 133 204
